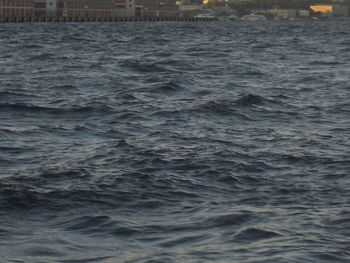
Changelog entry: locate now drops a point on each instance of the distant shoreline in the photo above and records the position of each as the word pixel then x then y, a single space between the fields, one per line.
pixel 4 20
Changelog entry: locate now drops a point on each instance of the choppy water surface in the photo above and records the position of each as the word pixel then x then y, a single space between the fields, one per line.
pixel 175 142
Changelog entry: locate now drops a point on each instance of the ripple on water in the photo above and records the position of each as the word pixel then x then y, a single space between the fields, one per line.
pixel 174 142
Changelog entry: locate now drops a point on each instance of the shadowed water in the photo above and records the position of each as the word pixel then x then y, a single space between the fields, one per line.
pixel 175 142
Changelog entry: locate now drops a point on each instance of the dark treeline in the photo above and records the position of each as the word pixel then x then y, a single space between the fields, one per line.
pixel 283 3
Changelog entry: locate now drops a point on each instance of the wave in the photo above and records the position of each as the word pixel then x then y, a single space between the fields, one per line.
pixel 85 259
pixel 31 108
pixel 229 220
pixel 232 106
pixel 16 95
pixel 222 107
pixel 251 99
pixel 98 225
pixel 167 88
pixel 341 106
pixel 180 241
pixel 174 142
pixel 326 257
pixel 59 189
pixel 253 234
pixel 142 66
pixel 324 63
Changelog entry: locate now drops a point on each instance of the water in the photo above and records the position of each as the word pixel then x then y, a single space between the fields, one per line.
pixel 175 142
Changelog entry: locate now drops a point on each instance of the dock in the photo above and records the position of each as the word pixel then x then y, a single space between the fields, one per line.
pixel 103 19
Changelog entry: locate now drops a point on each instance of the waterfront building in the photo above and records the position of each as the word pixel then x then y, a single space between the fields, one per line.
pixel 190 10
pixel 67 8
pixel 86 9
pixel 96 8
pixel 82 8
pixel 330 10
pixel 303 13
pixel 124 8
pixel 44 7
pixel 213 3
pixel 156 8
pixel 283 13
pixel 16 8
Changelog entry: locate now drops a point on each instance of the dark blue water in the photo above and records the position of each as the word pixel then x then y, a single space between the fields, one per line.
pixel 175 142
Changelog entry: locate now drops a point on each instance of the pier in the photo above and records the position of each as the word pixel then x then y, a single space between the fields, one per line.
pixel 49 19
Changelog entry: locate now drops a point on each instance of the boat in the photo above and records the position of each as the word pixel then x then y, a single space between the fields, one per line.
pixel 223 18
pixel 233 17
pixel 253 17
pixel 207 16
